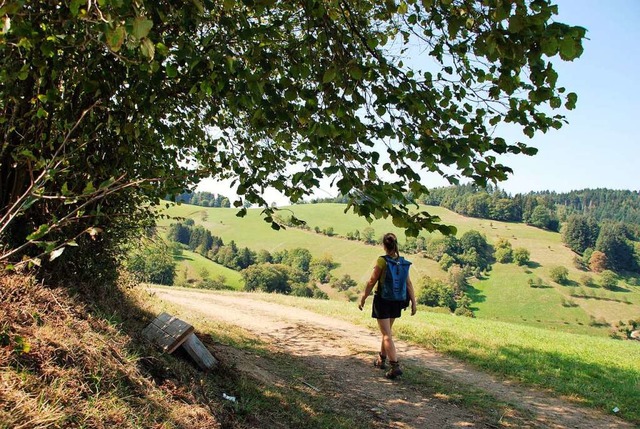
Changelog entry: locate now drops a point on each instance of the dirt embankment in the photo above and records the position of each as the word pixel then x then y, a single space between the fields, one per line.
pixel 343 353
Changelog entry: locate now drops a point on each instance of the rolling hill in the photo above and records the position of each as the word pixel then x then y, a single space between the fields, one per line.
pixel 503 295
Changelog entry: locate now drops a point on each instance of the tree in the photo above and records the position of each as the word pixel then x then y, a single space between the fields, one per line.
pixel 152 261
pixel 267 278
pixel 580 233
pixel 321 268
pixel 368 234
pixel 179 233
pixel 344 283
pixel 457 278
pixel 109 106
pixel 263 256
pixel 598 261
pixel 613 242
pixel 435 293
pixel 437 247
pixel 504 255
pixel 543 217
pixel 559 274
pixel 608 279
pixel 521 256
pixel 476 250
pixel 446 261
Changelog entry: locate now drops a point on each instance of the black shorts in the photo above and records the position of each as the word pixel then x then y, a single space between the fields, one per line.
pixel 383 309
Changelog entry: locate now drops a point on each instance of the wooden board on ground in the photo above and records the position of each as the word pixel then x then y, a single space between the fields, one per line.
pixel 168 332
pixel 199 352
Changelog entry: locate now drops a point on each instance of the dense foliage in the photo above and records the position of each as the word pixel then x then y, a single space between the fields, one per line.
pixel 153 262
pixel 493 203
pixel 286 271
pixel 109 106
pixel 202 199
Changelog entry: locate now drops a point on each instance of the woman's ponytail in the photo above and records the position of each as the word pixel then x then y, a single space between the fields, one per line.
pixel 390 243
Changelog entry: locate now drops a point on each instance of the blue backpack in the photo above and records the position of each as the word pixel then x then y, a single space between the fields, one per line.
pixel 394 287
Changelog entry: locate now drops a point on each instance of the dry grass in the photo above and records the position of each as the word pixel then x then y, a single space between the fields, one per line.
pixel 74 358
pixel 60 366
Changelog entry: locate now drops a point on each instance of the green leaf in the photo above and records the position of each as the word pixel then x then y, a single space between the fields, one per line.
pixel 115 38
pixel 38 233
pixel 572 99
pixel 549 46
pixel 516 23
pixel 329 75
pixel 355 72
pixel 141 27
pixel 88 189
pixel 172 70
pixel 568 49
pixel 110 181
pixel 400 222
pixel 403 8
pixel 147 48
pixel 65 189
pixel 75 6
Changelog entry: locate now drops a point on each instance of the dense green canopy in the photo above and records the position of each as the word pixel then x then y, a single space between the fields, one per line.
pixel 109 104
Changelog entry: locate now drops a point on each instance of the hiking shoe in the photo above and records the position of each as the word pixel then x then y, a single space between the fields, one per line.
pixel 394 372
pixel 380 362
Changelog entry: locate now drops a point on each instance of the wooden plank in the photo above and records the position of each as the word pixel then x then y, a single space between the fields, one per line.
pixel 168 332
pixel 199 352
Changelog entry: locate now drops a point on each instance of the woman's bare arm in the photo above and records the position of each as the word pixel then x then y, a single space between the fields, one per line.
pixel 375 275
pixel 412 296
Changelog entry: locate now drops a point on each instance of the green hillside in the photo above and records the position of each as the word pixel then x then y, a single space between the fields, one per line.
pixel 191 267
pixel 503 295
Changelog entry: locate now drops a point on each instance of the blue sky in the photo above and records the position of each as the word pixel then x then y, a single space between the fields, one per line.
pixel 599 148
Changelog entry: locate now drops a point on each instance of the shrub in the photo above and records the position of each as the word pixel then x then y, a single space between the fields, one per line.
pixel 435 293
pixel 214 284
pixel 504 255
pixel 302 290
pixel 579 263
pixel 319 294
pixel 537 282
pixel 446 261
pixel 559 274
pixel 463 306
pixel 598 261
pixel 521 256
pixel 587 280
pixel 457 278
pixel 346 282
pixel 608 279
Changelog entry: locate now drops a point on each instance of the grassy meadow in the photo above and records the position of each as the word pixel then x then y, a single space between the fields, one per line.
pixel 503 295
pixel 192 266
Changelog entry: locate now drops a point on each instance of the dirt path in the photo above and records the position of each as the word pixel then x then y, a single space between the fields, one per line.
pixel 344 351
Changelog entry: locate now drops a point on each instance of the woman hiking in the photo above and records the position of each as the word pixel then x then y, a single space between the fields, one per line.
pixel 384 310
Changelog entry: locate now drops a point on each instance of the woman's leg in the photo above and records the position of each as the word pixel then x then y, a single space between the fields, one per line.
pixel 387 347
pixel 383 351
